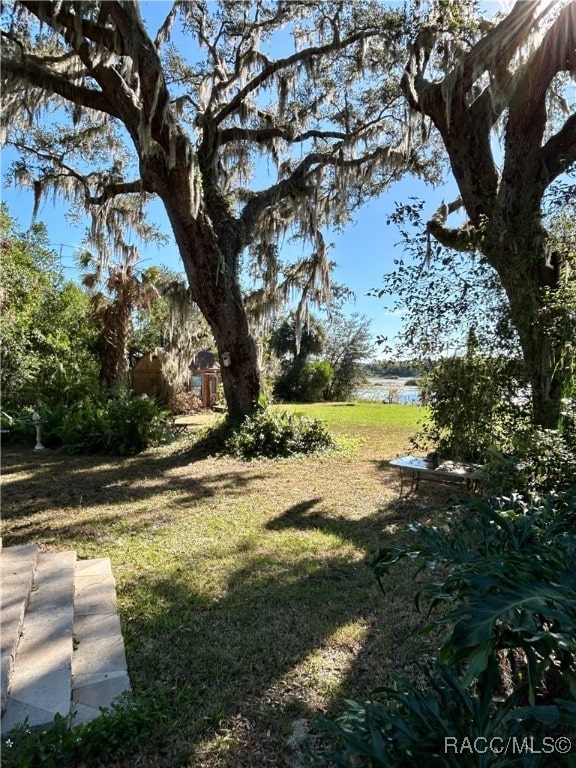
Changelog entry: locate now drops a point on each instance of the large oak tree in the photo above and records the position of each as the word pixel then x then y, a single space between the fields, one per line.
pixel 241 144
pixel 495 92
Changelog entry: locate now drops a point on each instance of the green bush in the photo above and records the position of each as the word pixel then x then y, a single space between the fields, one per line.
pixel 542 461
pixel 473 407
pixel 23 429
pixel 314 380
pixel 303 382
pixel 117 423
pixel 274 434
pixel 117 732
pixel 133 424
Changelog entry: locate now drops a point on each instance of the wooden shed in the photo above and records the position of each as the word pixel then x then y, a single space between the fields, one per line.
pixel 210 380
pixel 146 375
pixel 207 376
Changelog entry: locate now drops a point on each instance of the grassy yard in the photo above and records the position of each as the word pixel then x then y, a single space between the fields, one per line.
pixel 247 606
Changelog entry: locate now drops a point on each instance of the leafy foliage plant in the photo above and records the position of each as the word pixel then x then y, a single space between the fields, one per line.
pixel 474 406
pixel 116 422
pixel 116 733
pixel 506 599
pixel 273 434
pixel 542 461
pixel 48 340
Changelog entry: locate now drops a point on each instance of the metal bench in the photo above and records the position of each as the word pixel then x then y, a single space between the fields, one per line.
pixel 417 468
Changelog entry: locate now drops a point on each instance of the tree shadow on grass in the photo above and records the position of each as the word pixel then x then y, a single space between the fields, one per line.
pixel 45 496
pixel 286 640
pixel 276 628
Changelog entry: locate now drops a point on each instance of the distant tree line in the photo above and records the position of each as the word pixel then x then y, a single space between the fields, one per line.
pixel 403 369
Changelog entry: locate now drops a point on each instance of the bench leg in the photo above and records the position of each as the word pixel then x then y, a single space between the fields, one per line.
pixel 414 480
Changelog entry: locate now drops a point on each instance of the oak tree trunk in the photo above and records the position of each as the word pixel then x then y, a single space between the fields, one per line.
pixel 211 265
pixel 527 272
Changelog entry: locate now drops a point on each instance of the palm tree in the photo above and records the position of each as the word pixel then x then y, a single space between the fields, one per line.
pixel 117 288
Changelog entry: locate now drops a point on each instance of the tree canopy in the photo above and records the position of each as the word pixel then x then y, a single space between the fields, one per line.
pixel 48 341
pixel 250 120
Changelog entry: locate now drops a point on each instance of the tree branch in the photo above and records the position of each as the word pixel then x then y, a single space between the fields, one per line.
pixel 114 189
pixel 289 61
pixel 528 115
pixel 260 135
pixel 556 53
pixel 153 91
pixel 559 152
pixel 462 239
pixel 413 83
pixel 299 180
pixel 497 48
pixel 97 32
pixel 163 33
pixel 492 53
pixel 110 190
pixel 28 71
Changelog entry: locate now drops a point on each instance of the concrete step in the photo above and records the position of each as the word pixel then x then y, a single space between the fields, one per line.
pixel 17 565
pixel 70 652
pixel 99 670
pixel 40 683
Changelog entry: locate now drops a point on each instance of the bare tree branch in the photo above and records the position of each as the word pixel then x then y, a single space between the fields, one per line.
pixel 460 239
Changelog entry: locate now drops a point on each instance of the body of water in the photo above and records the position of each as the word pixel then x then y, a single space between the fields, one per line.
pixel 389 391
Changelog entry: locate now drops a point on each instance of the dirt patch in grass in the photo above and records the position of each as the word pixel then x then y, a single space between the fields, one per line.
pixel 247 604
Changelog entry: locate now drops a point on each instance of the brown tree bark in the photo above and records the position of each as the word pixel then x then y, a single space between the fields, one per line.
pixel 504 208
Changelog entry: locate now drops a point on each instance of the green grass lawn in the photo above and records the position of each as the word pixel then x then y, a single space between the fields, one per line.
pixel 381 429
pixel 247 606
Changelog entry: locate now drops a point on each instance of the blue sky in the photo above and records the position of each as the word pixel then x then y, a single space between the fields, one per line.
pixel 363 252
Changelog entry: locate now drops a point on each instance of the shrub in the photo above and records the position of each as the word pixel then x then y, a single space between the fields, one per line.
pixel 273 434
pixel 133 424
pixel 304 382
pixel 118 731
pixel 119 423
pixel 23 429
pixel 473 407
pixel 47 335
pixel 314 379
pixel 542 461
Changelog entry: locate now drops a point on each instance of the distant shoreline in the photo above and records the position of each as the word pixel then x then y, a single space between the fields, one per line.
pixel 389 390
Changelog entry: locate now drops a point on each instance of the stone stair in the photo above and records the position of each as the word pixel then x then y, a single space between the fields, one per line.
pixel 61 646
